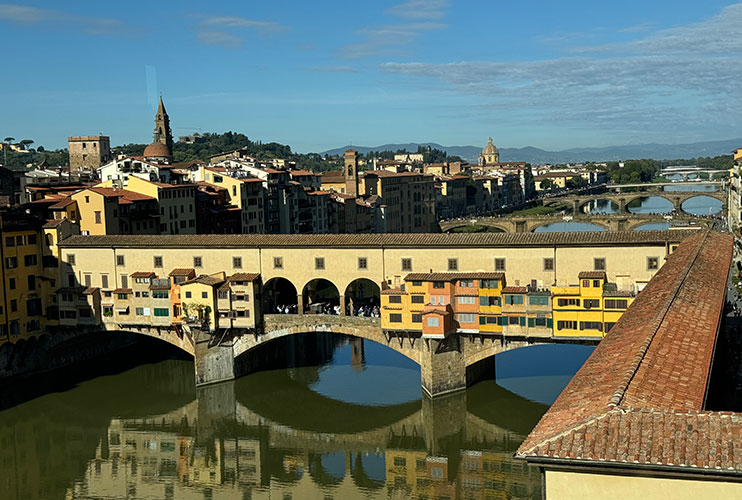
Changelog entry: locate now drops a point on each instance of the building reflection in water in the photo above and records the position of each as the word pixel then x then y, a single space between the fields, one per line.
pixel 252 439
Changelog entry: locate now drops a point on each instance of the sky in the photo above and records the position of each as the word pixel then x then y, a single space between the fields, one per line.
pixel 320 75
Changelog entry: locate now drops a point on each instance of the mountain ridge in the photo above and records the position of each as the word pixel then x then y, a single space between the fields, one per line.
pixel 534 155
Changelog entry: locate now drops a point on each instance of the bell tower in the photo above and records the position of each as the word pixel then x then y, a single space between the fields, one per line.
pixel 163 134
pixel 351 172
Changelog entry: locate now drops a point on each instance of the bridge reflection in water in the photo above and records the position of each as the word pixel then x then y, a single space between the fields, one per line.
pixel 141 434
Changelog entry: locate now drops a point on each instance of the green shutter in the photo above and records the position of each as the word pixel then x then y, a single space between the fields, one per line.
pixel 522 321
pixel 549 322
pixel 484 300
pixel 482 320
pixel 501 320
pixel 531 322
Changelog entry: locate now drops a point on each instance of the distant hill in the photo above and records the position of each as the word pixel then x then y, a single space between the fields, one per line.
pixel 534 155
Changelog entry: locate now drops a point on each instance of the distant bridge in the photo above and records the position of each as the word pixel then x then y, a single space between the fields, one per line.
pixel 622 200
pixel 609 222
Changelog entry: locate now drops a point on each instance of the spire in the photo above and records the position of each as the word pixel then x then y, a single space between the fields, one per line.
pixel 163 134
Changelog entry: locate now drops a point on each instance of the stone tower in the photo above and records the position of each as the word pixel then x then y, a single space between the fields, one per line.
pixel 163 134
pixel 351 172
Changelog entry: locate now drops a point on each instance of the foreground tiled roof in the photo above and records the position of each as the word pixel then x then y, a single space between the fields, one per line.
pixel 596 238
pixel 204 280
pixel 514 289
pixel 453 276
pixel 639 399
pixel 592 275
pixel 244 277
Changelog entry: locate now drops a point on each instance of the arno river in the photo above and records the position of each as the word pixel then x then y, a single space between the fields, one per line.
pixel 338 419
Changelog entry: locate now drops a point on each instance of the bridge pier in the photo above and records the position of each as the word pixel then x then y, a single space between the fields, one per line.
pixel 212 364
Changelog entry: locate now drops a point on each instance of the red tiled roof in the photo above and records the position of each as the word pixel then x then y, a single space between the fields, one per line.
pixel 244 277
pixel 182 271
pixel 514 289
pixel 143 274
pixel 589 275
pixel 122 290
pixel 453 276
pixel 639 398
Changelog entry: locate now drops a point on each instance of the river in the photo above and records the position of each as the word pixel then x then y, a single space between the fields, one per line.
pixel 340 418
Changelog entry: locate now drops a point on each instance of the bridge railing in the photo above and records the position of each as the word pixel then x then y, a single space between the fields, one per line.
pixel 275 321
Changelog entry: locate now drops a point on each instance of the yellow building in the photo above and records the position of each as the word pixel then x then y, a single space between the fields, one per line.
pixel 582 310
pixel 105 210
pixel 199 299
pixel 177 203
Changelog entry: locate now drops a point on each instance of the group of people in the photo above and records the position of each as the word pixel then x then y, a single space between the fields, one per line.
pixel 287 309
pixel 367 312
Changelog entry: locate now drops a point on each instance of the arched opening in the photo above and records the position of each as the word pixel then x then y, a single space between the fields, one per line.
pixel 321 296
pixel 362 298
pixel 368 472
pixel 279 297
pixel 476 228
pixel 650 205
pixel 568 227
pixel 701 205
pixel 327 469
pixel 599 206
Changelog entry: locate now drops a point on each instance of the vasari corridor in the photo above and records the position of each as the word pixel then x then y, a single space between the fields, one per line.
pixel 395 250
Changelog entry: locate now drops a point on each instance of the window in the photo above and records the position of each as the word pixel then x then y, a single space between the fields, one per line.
pixel 489 284
pixel 120 261
pixel 591 303
pixel 237 262
pixel 29 260
pixel 616 304
pixel 608 327
pixel 104 280
pixel 98 219
pixel 362 263
pixel 395 318
pixel 438 284
pixel 433 321
pixel 538 300
pixel 13 305
pixel 417 283
pixel 160 294
pixel 19 241
pixel 548 264
pixel 489 301
pixel 204 295
pixel 466 283
pixel 395 299
pixel 417 318
pixel 467 300
pixel 568 302
pixel 157 260
pixel 653 263
pixel 123 296
pixel 453 264
pixel 31 239
pixel 71 259
pixel 566 325
pixel 88 279
pixel 513 300
pixel 11 262
pixel 499 264
pixel 188 295
pixel 513 320
pixel 599 264
pixel 400 461
pixel 418 299
pixel 197 262
pixel 540 321
pixel 162 311
pixel 406 264
pixel 139 311
pixel 277 262
pixel 124 281
pixel 11 283
pixel 466 318
pixel 222 295
pixel 591 325
pixel 596 283
pixel 319 263
pixel 9 241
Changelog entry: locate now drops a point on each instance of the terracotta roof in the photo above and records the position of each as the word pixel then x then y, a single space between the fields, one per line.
pixel 120 193
pixel 388 240
pixel 590 275
pixel 204 280
pixel 639 399
pixel 453 276
pixel 300 173
pixel 514 289
pixel 244 277
pixel 143 274
pixel 122 290
pixel 53 222
pixel 156 149
pixel 181 271
pixel 90 290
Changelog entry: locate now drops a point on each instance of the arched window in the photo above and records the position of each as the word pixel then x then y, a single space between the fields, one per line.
pixel 14 328
pixel 49 239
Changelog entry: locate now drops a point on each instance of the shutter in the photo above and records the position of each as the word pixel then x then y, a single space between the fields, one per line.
pixel 549 322
pixel 501 320
pixel 522 321
pixel 531 322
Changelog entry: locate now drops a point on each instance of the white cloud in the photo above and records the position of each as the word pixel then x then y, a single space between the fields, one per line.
pixel 673 79
pixel 419 9
pixel 230 31
pixel 55 19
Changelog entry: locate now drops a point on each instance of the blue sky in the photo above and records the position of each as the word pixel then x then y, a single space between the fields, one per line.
pixel 318 75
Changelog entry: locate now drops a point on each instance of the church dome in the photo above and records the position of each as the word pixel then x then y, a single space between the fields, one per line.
pixel 157 150
pixel 489 149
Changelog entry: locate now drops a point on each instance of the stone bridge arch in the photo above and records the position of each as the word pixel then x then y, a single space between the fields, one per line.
pixel 504 226
pixel 594 220
pixel 178 337
pixel 279 326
